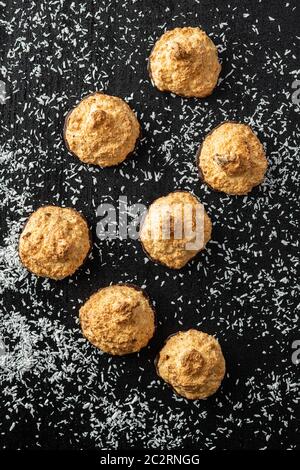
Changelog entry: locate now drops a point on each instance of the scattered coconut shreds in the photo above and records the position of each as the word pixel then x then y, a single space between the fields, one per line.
pixel 58 391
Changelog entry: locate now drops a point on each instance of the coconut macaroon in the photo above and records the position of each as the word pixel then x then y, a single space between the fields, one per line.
pixel 175 229
pixel 118 319
pixel 55 242
pixel 185 61
pixel 232 159
pixel 193 364
pixel 101 130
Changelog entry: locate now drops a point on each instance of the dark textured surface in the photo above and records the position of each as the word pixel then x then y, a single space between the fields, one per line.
pixel 57 390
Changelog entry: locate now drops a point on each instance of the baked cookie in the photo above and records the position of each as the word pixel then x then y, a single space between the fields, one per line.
pixel 192 363
pixel 101 130
pixel 55 242
pixel 175 229
pixel 185 61
pixel 232 159
pixel 118 319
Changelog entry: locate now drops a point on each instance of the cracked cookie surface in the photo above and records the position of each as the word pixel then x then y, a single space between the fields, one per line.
pixel 118 319
pixel 193 364
pixel 101 130
pixel 55 242
pixel 184 61
pixel 231 159
pixel 175 229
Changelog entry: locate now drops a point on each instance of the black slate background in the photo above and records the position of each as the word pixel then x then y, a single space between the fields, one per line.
pixel 113 41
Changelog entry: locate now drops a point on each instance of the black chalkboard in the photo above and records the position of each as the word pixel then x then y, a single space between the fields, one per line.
pixel 57 390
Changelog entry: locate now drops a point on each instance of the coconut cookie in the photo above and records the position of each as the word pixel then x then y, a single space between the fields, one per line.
pixel 55 242
pixel 175 229
pixel 192 363
pixel 118 319
pixel 101 130
pixel 185 61
pixel 232 159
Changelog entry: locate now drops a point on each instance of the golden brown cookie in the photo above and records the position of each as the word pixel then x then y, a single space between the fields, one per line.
pixel 118 319
pixel 185 61
pixel 175 229
pixel 192 363
pixel 55 242
pixel 232 159
pixel 101 130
